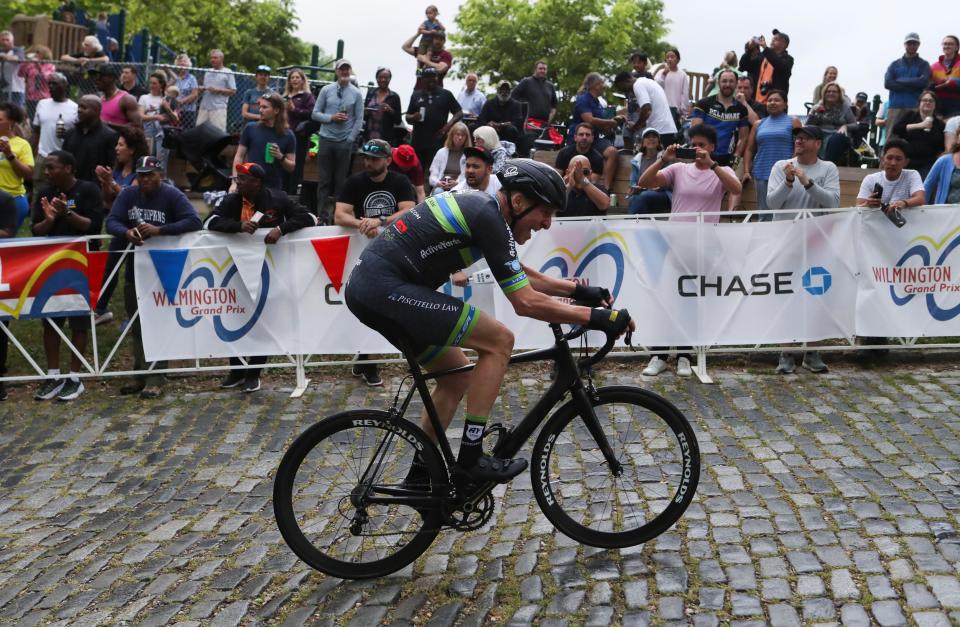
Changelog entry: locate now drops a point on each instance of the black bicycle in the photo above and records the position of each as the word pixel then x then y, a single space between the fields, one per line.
pixel 613 467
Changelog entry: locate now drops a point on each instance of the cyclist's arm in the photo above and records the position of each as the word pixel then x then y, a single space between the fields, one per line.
pixel 549 285
pixel 531 303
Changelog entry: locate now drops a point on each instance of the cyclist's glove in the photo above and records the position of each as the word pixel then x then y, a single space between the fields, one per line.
pixel 590 295
pixel 613 322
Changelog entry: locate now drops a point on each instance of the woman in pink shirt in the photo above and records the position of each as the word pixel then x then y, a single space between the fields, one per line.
pixel 698 186
pixel 676 85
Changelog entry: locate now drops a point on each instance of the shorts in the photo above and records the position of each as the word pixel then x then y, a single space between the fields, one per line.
pixel 601 143
pixel 77 323
pixel 419 321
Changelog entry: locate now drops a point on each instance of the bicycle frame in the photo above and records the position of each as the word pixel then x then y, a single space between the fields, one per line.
pixel 567 380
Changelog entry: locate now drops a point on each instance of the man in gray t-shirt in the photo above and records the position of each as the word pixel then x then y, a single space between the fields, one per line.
pixel 217 87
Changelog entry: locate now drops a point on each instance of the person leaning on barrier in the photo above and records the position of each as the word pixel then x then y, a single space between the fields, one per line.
pixel 8 229
pixel 152 208
pixel 802 182
pixel 252 207
pixel 698 187
pixel 369 201
pixel 67 206
pixel 901 188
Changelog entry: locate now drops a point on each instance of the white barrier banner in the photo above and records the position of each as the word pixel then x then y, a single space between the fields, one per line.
pixel 910 277
pixel 704 284
pixel 831 276
pixel 215 295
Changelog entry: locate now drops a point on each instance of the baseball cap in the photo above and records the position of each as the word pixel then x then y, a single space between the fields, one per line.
pixel 252 169
pixel 785 36
pixel 149 164
pixel 649 131
pixel 862 95
pixel 106 69
pixel 911 37
pixel 479 153
pixel 376 148
pixel 264 68
pixel 429 71
pixel 810 131
pixel 405 156
pixel 502 83
pixel 340 63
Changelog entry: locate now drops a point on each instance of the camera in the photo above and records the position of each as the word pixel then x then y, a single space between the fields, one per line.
pixel 894 216
pixel 586 171
pixel 686 153
pixel 765 88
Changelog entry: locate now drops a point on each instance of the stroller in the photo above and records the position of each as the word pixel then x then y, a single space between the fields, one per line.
pixel 201 147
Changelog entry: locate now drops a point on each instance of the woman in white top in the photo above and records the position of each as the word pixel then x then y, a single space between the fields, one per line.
pixel 676 85
pixel 154 111
pixel 447 167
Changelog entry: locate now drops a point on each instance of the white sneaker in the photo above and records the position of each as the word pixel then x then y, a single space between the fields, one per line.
pixel 655 367
pixel 683 367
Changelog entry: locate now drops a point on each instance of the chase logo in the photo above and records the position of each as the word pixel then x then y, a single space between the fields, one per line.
pixel 817 280
pixel 606 251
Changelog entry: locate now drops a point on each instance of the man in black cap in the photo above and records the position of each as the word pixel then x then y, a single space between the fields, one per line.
pixel 803 182
pixel 503 113
pixel 776 66
pixel 478 172
pixel 251 208
pixel 370 200
pixel 428 112
pixel 151 208
pixel 118 108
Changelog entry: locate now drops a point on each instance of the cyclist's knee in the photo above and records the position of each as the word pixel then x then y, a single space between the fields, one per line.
pixel 501 342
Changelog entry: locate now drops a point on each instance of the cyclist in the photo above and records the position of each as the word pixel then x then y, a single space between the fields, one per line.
pixel 392 290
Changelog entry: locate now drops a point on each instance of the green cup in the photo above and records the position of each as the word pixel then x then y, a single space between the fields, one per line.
pixel 268 156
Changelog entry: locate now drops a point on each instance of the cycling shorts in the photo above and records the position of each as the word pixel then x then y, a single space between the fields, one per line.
pixel 416 319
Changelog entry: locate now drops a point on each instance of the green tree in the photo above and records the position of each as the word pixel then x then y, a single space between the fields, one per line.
pixel 501 39
pixel 249 32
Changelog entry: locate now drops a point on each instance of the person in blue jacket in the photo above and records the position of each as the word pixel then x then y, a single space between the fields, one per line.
pixel 906 78
pixel 151 208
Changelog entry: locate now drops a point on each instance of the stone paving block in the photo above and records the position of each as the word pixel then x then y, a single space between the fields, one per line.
pixel 888 613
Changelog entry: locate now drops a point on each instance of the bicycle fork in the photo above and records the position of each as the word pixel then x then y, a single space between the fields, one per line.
pixel 581 400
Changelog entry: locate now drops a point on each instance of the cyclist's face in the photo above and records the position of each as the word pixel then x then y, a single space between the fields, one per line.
pixel 539 218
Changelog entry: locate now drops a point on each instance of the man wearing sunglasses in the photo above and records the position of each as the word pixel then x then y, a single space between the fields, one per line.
pixel 369 200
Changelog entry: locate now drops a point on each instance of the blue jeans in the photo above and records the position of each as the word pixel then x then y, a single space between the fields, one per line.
pixel 23 208
pixel 650 201
pixel 762 199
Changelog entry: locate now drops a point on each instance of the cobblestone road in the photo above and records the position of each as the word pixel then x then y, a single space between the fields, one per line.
pixel 823 499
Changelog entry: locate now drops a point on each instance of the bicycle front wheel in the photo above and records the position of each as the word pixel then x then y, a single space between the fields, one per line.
pixel 606 507
pixel 339 497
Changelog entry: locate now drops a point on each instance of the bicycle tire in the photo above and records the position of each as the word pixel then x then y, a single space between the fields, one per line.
pixel 315 484
pixel 569 472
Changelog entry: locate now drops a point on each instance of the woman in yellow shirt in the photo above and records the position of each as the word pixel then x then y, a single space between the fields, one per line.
pixel 16 158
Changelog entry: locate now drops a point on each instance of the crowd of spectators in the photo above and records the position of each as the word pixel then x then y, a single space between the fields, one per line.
pixel 74 159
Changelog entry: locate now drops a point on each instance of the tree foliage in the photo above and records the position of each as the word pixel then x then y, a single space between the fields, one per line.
pixel 250 32
pixel 501 39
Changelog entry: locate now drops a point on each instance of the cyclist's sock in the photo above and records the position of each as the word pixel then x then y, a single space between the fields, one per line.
pixel 471 444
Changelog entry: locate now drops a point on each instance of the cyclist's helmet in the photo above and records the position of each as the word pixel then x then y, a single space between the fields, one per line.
pixel 534 180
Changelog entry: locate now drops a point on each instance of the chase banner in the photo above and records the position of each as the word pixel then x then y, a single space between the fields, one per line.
pixel 45 277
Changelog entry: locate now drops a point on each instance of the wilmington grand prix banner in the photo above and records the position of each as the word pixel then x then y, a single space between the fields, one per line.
pixel 832 276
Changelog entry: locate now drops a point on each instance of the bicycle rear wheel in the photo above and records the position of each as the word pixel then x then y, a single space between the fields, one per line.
pixel 338 498
pixel 580 494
